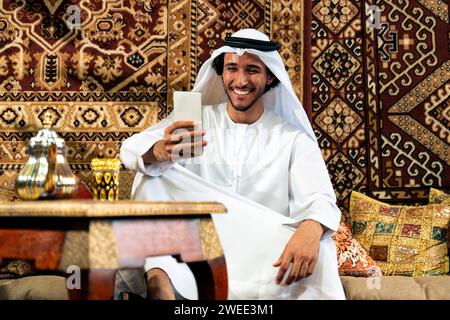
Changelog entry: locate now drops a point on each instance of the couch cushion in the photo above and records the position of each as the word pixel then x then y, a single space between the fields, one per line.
pixel 34 288
pixel 397 288
pixel 435 288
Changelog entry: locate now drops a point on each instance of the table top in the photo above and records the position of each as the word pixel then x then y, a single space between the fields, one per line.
pixel 74 208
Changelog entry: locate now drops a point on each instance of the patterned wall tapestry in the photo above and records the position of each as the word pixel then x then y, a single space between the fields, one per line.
pixel 115 74
pixel 381 94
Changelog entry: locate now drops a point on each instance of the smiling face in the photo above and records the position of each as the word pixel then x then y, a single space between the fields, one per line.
pixel 244 79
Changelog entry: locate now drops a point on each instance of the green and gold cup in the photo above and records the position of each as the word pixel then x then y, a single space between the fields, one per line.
pixel 105 178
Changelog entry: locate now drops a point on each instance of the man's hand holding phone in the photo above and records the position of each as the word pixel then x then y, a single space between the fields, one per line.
pixel 182 139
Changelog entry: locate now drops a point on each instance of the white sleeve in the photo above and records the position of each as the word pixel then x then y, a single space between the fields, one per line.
pixel 137 145
pixel 311 194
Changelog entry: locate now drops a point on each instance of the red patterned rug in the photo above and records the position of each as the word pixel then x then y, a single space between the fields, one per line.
pixel 381 96
pixel 377 92
pixel 115 74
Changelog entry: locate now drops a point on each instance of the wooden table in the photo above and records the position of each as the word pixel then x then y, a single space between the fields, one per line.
pixel 101 237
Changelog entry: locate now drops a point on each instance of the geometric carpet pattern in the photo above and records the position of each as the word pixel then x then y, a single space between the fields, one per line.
pixel 381 96
pixel 114 75
pixel 378 98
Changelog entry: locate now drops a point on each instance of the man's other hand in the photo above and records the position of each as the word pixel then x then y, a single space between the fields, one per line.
pixel 302 251
pixel 180 140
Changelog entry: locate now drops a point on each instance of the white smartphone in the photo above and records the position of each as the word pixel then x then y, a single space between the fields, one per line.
pixel 188 107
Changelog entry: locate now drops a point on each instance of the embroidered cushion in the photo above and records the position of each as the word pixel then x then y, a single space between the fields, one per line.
pixel 437 196
pixel 353 260
pixel 403 240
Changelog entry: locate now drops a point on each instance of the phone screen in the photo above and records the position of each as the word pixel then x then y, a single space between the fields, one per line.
pixel 188 107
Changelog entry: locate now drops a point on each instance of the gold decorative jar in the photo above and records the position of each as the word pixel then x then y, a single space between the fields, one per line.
pixel 46 174
pixel 105 178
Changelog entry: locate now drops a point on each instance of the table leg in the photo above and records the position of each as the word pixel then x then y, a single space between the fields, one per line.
pixel 101 284
pixel 211 277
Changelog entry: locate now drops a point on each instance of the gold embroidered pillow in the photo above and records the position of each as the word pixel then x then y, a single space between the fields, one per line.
pixel 403 240
pixel 353 260
pixel 437 196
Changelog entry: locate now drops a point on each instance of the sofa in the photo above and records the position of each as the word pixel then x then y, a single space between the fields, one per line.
pixel 365 278
pixel 397 288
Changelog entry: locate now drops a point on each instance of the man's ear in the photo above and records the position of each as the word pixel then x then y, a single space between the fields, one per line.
pixel 270 78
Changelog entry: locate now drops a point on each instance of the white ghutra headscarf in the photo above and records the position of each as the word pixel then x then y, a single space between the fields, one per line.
pixel 281 99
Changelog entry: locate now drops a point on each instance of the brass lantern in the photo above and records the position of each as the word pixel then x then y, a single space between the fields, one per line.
pixel 46 175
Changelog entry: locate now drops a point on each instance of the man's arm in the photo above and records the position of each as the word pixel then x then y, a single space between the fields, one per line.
pixel 154 150
pixel 312 204
pixel 133 148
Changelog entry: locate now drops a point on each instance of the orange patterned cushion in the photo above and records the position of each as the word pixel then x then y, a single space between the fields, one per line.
pixel 353 260
pixel 403 240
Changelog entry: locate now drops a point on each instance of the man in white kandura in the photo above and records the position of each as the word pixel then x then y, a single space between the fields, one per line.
pixel 262 161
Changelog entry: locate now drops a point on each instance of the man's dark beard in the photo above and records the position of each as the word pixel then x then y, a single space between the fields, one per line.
pixel 243 109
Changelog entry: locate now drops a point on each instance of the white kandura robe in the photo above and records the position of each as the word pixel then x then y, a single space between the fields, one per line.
pixel 270 176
